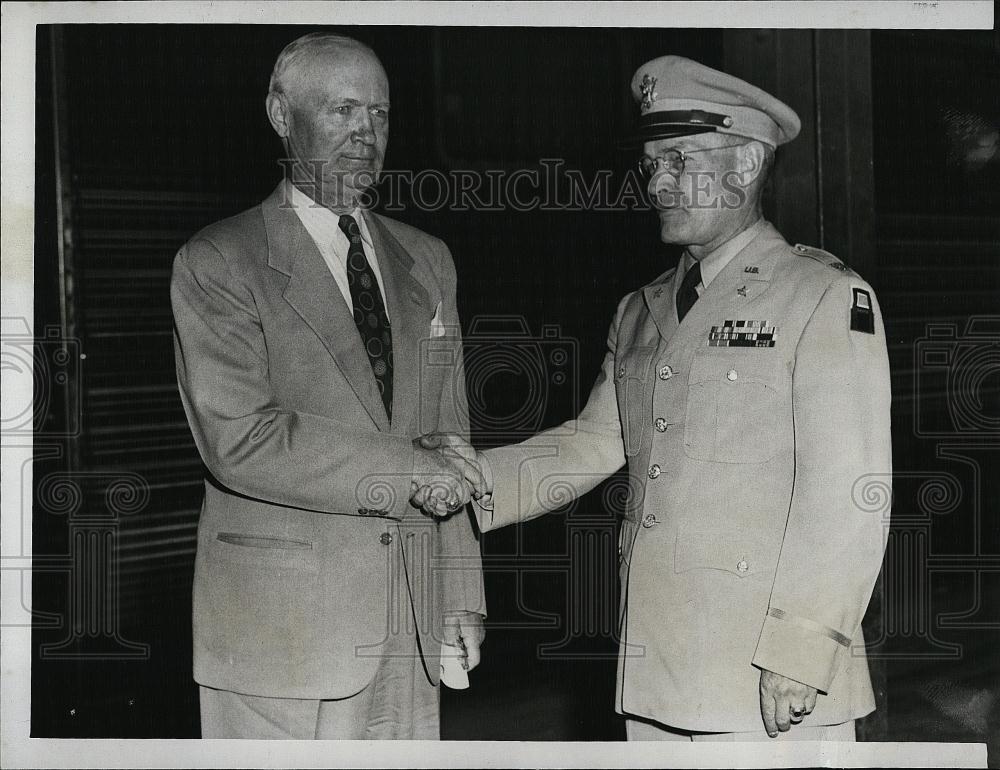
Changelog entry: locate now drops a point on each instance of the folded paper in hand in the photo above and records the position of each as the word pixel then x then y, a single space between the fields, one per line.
pixel 452 673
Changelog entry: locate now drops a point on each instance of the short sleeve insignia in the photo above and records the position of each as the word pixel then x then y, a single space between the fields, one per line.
pixel 862 312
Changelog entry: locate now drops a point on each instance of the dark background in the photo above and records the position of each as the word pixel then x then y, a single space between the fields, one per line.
pixel 147 133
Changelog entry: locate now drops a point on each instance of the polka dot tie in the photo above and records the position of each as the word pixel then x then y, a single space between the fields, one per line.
pixel 369 312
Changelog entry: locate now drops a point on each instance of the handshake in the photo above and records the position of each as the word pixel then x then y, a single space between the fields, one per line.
pixel 447 473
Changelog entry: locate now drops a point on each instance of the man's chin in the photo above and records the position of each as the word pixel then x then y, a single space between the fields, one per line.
pixel 347 192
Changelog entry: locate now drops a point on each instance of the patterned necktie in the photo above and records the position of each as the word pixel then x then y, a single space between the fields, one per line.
pixel 688 295
pixel 369 311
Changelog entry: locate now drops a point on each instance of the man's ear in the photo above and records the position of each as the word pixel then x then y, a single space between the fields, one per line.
pixel 279 114
pixel 752 156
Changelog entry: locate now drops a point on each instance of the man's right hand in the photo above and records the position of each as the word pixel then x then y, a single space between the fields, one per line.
pixel 460 452
pixel 443 481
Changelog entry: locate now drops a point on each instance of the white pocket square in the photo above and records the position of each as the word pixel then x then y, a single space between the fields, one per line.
pixel 437 327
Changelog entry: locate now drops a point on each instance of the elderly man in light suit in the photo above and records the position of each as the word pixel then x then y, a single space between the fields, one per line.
pixel 322 591
pixel 748 392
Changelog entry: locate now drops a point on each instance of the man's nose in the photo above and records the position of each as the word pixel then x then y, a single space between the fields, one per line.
pixel 364 130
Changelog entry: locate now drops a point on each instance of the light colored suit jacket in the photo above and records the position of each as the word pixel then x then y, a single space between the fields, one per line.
pixel 299 574
pixel 759 485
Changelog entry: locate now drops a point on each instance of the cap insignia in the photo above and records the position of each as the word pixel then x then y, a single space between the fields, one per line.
pixel 646 89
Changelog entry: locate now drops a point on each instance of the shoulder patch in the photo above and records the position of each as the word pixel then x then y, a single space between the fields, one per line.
pixel 862 312
pixel 825 257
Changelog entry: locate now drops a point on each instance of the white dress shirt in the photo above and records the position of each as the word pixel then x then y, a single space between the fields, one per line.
pixel 323 226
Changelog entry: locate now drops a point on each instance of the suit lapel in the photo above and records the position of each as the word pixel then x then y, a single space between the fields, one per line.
pixel 315 296
pixel 410 317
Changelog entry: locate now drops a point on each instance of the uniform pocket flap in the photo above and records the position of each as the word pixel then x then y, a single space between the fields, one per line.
pixel 733 368
pixel 741 553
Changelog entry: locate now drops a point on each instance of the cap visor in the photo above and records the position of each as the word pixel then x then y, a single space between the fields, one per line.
pixel 651 132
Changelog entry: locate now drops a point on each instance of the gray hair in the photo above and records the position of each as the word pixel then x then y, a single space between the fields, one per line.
pixel 305 49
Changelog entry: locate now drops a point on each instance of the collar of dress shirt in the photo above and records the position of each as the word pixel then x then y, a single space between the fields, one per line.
pixel 714 263
pixel 324 225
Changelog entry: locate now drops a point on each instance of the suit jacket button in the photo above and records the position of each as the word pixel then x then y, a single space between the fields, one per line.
pixel 666 372
pixel 654 471
pixel 649 520
pixel 385 538
pixel 661 424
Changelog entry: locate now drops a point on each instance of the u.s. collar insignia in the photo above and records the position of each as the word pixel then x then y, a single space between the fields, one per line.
pixel 646 89
pixel 751 269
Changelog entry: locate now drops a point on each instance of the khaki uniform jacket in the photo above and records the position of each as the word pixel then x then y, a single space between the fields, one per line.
pixel 298 574
pixel 757 514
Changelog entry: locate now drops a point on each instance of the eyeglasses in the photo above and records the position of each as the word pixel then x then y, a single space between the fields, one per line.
pixel 672 160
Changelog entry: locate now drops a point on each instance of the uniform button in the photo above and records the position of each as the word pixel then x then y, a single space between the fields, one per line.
pixel 665 372
pixel 661 424
pixel 731 375
pixel 742 566
pixel 649 520
pixel 621 371
pixel 654 471
pixel 385 538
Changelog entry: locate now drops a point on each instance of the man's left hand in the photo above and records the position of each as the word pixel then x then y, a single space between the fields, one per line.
pixel 783 702
pixel 465 630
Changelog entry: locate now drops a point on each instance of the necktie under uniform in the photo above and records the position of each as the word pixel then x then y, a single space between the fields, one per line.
pixel 369 311
pixel 688 295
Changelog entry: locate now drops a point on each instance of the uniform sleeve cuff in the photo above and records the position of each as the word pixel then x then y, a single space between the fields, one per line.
pixel 801 649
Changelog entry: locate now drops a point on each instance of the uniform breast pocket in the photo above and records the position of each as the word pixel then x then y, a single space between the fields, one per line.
pixel 632 385
pixel 735 412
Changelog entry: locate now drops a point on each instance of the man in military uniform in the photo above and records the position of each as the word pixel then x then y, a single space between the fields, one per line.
pixel 748 391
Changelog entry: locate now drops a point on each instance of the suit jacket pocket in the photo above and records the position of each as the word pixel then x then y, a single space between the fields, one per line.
pixel 631 385
pixel 262 541
pixel 734 411
pixel 260 551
